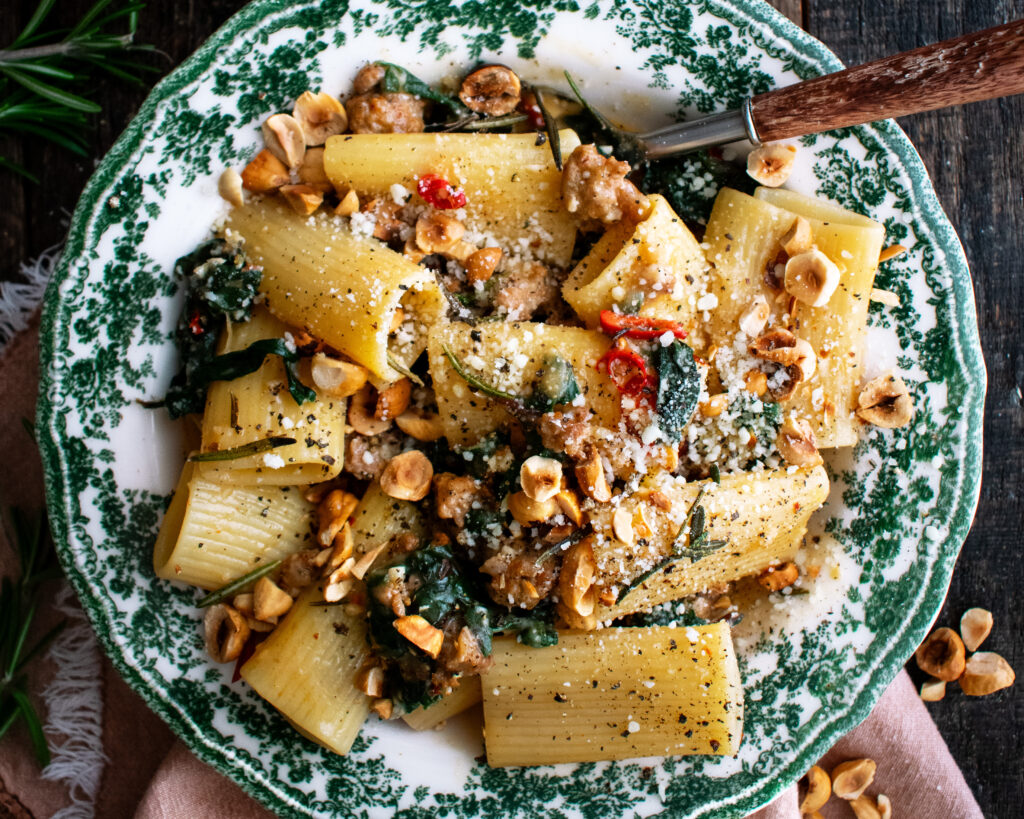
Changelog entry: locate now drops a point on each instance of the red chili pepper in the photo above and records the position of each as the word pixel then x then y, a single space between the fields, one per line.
pixel 195 324
pixel 627 369
pixel 528 105
pixel 639 327
pixel 439 193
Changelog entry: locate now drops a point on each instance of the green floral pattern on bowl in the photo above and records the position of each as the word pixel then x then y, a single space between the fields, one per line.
pixel 900 509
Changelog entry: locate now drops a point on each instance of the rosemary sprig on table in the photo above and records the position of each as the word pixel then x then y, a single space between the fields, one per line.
pixel 43 70
pixel 18 602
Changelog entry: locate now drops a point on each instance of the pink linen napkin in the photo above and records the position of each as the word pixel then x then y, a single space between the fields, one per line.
pixel 141 770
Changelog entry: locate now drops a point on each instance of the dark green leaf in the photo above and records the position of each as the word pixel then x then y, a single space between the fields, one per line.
pixel 243 451
pixel 716 473
pixel 399 81
pixel 34 22
pixel 51 92
pixel 472 380
pixel 551 127
pixel 224 592
pixel 41 643
pixel 555 384
pixel 35 727
pixel 678 388
pixel 675 177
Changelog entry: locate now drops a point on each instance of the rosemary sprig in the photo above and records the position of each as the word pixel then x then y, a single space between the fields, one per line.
pixel 243 450
pixel 551 126
pixel 224 592
pixel 18 606
pixel 42 71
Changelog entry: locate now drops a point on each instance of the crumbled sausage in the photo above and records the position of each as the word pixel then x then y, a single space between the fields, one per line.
pixel 454 495
pixel 385 114
pixel 567 432
pixel 298 571
pixel 516 579
pixel 368 78
pixel 366 457
pixel 524 289
pixel 461 653
pixel 595 187
pixel 386 224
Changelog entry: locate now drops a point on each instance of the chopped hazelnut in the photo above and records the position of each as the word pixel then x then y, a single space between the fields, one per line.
pixel 796 443
pixel 850 779
pixel 942 655
pixel 591 477
pixel 541 477
pixel 885 402
pixel 420 633
pixel 798 238
pixel 811 277
pixel 265 173
pixel 771 164
pixel 229 186
pixel 493 90
pixel 319 116
pixel 337 378
pixel 420 424
pixel 777 578
pixel 985 673
pixel 226 632
pixel 283 137
pixel 975 626
pixel 407 476
pixel 933 690
pixel 819 789
pixel 269 599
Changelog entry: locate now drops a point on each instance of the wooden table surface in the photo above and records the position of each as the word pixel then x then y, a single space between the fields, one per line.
pixel 975 156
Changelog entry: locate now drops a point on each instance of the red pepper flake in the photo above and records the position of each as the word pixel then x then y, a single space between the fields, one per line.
pixel 627 369
pixel 528 105
pixel 439 193
pixel 639 327
pixel 195 324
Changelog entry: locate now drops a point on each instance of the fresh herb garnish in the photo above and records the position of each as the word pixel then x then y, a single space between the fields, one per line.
pixel 675 177
pixel 562 545
pixel 398 366
pixel 551 127
pixel 678 388
pixel 555 384
pixel 716 473
pixel 473 381
pixel 224 592
pixel 535 628
pixel 691 542
pixel 398 80
pixel 19 599
pixel 243 451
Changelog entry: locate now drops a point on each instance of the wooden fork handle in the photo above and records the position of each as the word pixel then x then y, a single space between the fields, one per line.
pixel 975 67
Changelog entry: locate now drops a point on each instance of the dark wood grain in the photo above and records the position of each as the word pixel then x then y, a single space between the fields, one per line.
pixel 974 67
pixel 974 154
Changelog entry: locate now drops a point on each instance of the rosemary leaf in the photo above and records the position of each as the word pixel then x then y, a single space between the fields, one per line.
pixel 243 451
pixel 564 543
pixel 494 122
pixel 551 127
pixel 35 727
pixel 225 592
pixel 473 381
pixel 400 367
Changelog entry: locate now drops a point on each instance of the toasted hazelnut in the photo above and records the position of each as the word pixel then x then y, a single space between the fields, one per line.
pixel 933 690
pixel 541 477
pixel 774 345
pixel 348 205
pixel 312 173
pixel 591 478
pixel 283 137
pixel 891 252
pixel 368 78
pixel 366 561
pixel 796 443
pixel 397 319
pixel 819 789
pixel 337 378
pixel 481 264
pixel 886 297
pixel 303 199
pixel 756 381
pixel 755 316
pixel 573 619
pixel 864 807
pixel 420 424
pixel 393 400
pixel 798 238
pixel 265 173
pixel 715 405
pixel 269 599
pixel 811 277
pixel 777 578
pixel 806 360
pixel 529 512
pixel 942 655
pixel 226 632
pixel 850 779
pixel 771 164
pixel 333 513
pixel 985 673
pixel 884 805
pixel 407 476
pixel 361 412
pixel 370 681
pixel 622 526
pixel 461 252
pixel 243 604
pixel 975 626
pixel 436 232
pixel 337 588
pixel 383 708
pixel 660 501
pixel 493 90
pixel 412 251
pixel 420 633
pixel 885 402
pixel 319 116
pixel 229 186
pixel 569 505
pixel 576 578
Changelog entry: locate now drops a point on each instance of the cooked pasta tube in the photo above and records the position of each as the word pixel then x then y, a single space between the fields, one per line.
pixel 743 240
pixel 615 694
pixel 306 669
pixel 656 266
pixel 513 189
pixel 258 406
pixel 214 533
pixel 509 356
pixel 761 516
pixel 461 699
pixel 379 517
pixel 341 287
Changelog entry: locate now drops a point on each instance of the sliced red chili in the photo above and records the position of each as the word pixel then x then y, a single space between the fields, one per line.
pixel 528 105
pixel 627 369
pixel 195 324
pixel 440 193
pixel 639 327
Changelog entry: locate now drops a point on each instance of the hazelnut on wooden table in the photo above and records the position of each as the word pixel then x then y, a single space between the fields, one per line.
pixel 985 673
pixel 975 626
pixel 942 655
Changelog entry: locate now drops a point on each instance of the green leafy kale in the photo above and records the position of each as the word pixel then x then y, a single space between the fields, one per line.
pixel 534 628
pixel 555 384
pixel 399 81
pixel 691 182
pixel 678 388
